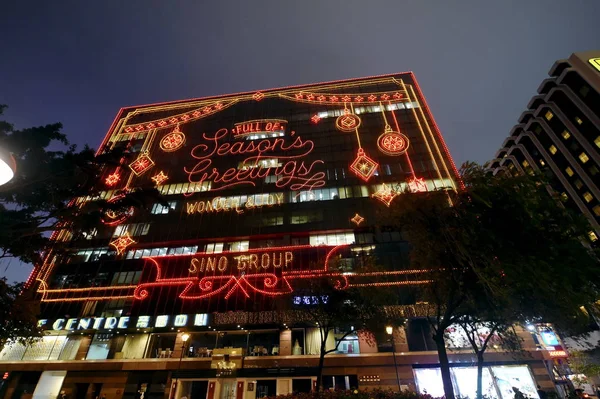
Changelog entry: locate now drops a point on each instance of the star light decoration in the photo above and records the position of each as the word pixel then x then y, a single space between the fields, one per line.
pixel 357 219
pixel 315 119
pixel 112 179
pixel 121 243
pixel 417 185
pixel 385 194
pixel 141 164
pixel 258 96
pixel 363 166
pixel 159 178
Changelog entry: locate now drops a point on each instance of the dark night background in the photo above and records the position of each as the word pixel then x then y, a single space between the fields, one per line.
pixel 478 62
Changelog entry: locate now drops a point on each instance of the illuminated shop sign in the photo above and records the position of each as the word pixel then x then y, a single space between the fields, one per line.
pixel 595 63
pixel 225 204
pixel 259 126
pixel 125 322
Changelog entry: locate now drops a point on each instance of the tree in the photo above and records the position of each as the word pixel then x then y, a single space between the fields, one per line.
pixel 18 314
pixel 496 251
pixel 50 174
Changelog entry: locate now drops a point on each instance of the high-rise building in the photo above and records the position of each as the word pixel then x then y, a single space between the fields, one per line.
pixel 261 190
pixel 559 135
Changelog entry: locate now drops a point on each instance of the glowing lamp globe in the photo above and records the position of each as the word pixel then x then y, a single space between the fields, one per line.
pixel 389 330
pixel 8 167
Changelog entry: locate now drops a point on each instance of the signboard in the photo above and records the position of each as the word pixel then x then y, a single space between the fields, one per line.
pixel 124 322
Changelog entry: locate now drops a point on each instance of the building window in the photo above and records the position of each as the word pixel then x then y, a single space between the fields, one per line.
pixel 549 115
pixel 126 278
pixel 160 209
pixel 135 229
pixel 593 170
pixel 306 217
pixel 525 163
pixel 332 239
pixel 564 197
pixel 237 246
pixel 597 141
pixel 552 149
pixel 215 248
pixel 578 184
pixel 596 210
pixel 538 129
pixel 569 171
pixel 542 162
pixel 583 157
pixel 593 236
pixel 578 120
pixel 566 134
pixel 272 220
pixel 587 196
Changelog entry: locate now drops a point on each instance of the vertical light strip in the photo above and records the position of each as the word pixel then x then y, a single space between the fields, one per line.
pixel 423 134
pixel 437 148
pixel 356 128
pixel 410 165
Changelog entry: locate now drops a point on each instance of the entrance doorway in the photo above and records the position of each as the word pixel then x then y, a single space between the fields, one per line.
pixel 228 388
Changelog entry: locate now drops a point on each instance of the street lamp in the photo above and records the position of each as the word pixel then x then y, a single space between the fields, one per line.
pixel 184 338
pixel 390 331
pixel 8 167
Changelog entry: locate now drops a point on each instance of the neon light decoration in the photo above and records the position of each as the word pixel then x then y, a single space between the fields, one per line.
pixel 141 164
pixel 325 98
pixel 347 122
pixel 112 179
pixel 385 194
pixel 292 174
pixel 363 166
pixel 357 219
pixel 417 185
pixel 242 129
pixel 160 178
pixel 121 243
pixel 315 119
pixel 219 204
pixel 258 96
pixel 392 143
pixel 172 141
pixel 173 121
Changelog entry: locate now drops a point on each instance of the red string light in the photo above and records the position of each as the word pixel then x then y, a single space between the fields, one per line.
pixel 112 218
pixel 258 96
pixel 121 243
pixel 347 122
pixel 392 143
pixel 141 164
pixel 160 178
pixel 315 119
pixel 417 185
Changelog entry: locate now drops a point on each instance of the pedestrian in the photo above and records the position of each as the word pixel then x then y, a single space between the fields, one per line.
pixel 518 393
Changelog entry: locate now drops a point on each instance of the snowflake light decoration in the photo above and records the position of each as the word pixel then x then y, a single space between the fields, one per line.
pixel 112 179
pixel 141 164
pixel 172 141
pixel 392 143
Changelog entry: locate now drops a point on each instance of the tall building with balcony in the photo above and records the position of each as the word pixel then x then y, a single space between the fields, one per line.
pixel 559 135
pixel 261 189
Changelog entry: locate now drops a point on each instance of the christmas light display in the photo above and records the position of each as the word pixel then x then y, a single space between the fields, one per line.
pixel 357 219
pixel 112 179
pixel 392 143
pixel 315 119
pixel 417 185
pixel 141 164
pixel 363 166
pixel 121 243
pixel 385 194
pixel 258 96
pixel 159 178
pixel 172 141
pixel 347 122
pixel 113 218
pixel 325 98
pixel 242 129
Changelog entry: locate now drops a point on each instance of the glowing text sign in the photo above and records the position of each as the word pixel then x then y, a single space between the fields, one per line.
pixel 124 322
pixel 219 204
pixel 243 263
pixel 258 126
pixel 292 173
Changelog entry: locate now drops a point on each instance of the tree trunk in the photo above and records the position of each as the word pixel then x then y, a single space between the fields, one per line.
pixel 479 374
pixel 444 364
pixel 321 364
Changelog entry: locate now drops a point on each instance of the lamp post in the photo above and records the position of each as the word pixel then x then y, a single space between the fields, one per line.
pixel 184 338
pixel 390 331
pixel 8 166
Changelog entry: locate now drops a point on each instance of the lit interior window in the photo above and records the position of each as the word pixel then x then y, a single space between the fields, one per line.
pixel 569 171
pixel 552 149
pixel 566 134
pixel 583 157
pixel 593 236
pixel 587 196
pixel 578 120
pixel 597 141
pixel 549 115
pixel 564 197
pixel 596 210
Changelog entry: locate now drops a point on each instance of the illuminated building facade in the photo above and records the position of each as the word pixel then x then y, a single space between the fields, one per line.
pixel 262 189
pixel 559 135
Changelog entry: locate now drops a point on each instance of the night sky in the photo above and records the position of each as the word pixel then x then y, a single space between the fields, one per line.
pixel 478 62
